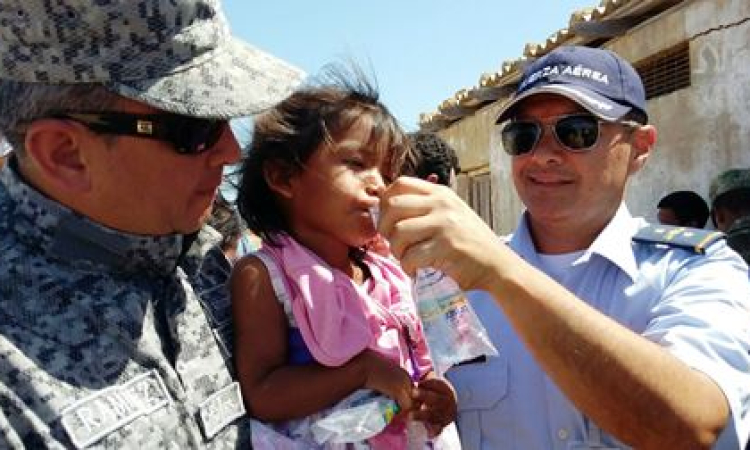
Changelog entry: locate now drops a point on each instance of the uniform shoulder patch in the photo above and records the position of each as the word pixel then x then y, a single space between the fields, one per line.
pixel 693 239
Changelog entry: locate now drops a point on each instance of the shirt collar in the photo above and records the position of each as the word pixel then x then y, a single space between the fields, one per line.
pixel 58 232
pixel 613 243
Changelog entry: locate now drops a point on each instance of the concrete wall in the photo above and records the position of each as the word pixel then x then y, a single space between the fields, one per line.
pixel 703 129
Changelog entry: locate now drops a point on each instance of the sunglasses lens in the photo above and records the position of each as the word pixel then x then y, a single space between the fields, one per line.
pixel 520 137
pixel 195 136
pixel 577 132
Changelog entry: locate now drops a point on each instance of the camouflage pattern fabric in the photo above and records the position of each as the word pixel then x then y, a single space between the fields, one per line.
pixel 103 341
pixel 178 56
pixel 738 237
pixel 209 270
pixel 729 180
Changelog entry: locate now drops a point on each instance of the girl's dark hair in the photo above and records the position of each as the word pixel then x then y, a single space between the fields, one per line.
pixel 290 132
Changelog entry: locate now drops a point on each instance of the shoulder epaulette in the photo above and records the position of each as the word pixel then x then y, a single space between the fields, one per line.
pixel 693 239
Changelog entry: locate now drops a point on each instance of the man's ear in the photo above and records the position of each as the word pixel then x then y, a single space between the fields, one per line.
pixel 278 176
pixel 644 139
pixel 722 219
pixel 55 150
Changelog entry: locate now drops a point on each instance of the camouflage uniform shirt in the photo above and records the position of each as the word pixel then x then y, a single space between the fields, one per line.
pixel 103 341
pixel 738 237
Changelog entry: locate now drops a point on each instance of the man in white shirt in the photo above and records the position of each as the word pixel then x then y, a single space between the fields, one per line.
pixel 611 333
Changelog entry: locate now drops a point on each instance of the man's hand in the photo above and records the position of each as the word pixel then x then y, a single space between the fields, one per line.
pixel 428 225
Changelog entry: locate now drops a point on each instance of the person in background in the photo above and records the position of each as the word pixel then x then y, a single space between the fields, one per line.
pixel 730 208
pixel 432 159
pixel 249 243
pixel 610 332
pixel 317 316
pixel 683 209
pixel 118 116
pixel 227 222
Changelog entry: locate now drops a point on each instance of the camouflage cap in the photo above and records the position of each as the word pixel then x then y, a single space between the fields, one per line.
pixel 174 55
pixel 729 180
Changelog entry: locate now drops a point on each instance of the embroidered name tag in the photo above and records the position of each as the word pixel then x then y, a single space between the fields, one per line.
pixel 221 409
pixel 91 418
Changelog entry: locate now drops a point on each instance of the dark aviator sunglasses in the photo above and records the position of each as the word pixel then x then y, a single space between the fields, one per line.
pixel 576 133
pixel 188 135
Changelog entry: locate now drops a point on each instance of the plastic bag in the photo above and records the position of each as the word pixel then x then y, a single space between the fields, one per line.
pixel 266 438
pixel 356 418
pixel 451 327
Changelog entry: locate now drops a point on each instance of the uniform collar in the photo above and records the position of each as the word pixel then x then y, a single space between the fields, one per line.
pixel 613 243
pixel 58 232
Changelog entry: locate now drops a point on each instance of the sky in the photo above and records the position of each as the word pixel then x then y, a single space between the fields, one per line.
pixel 420 52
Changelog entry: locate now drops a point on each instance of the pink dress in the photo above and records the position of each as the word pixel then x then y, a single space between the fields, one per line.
pixel 339 319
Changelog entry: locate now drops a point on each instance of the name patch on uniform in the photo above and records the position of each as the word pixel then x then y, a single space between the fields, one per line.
pixel 93 417
pixel 221 409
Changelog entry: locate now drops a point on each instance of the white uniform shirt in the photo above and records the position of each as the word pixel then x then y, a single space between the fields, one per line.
pixel 693 305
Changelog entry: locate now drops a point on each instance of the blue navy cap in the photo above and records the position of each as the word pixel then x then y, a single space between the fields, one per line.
pixel 597 79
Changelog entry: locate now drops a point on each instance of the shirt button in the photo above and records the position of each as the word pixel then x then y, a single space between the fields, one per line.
pixel 562 434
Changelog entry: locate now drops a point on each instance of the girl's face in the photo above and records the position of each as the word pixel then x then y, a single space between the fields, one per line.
pixel 330 199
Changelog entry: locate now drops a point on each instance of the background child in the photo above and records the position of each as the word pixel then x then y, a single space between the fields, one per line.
pixel 317 317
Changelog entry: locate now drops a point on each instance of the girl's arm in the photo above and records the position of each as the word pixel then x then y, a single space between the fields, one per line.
pixel 273 389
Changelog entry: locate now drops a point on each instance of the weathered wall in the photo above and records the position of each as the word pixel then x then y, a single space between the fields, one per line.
pixel 703 129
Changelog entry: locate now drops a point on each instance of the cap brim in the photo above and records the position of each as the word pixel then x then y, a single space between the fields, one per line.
pixel 238 80
pixel 594 103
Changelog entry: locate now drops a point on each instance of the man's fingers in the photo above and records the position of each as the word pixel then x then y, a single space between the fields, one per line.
pixel 408 185
pixel 396 209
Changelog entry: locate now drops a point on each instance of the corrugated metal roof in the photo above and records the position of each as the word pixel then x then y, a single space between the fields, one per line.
pixel 588 26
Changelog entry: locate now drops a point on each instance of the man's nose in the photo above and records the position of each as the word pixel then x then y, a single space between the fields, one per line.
pixel 226 151
pixel 547 147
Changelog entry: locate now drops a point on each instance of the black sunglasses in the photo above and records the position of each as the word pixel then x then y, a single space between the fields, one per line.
pixel 188 135
pixel 576 133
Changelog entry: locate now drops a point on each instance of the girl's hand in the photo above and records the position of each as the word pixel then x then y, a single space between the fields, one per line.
pixel 386 377
pixel 435 404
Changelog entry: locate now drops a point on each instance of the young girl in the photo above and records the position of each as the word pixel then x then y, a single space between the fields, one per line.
pixel 317 316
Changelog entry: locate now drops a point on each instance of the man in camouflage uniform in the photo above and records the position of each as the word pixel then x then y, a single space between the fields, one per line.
pixel 117 112
pixel 730 208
